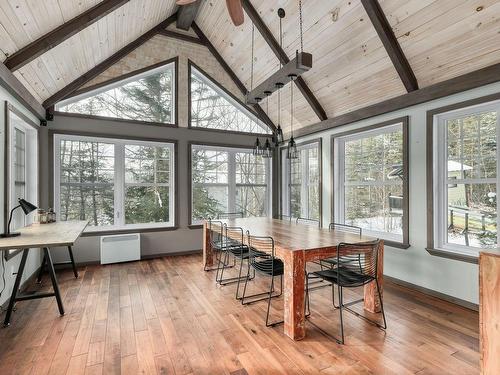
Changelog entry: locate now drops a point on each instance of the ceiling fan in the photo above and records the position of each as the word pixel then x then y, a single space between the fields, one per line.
pixel 233 7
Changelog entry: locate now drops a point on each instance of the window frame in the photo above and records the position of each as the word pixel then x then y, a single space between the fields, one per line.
pixel 231 98
pixel 285 168
pixel 125 78
pixel 435 183
pixel 232 184
pixel 119 192
pixel 374 129
pixel 31 165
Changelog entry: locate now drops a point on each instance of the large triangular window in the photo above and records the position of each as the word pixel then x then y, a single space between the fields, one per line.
pixel 148 96
pixel 213 108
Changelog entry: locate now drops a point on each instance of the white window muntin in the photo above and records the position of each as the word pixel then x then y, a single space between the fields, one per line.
pixel 119 179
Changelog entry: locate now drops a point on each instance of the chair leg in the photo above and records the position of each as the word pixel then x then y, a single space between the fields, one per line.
pixel 269 302
pixel 341 318
pixel 75 272
pixel 381 304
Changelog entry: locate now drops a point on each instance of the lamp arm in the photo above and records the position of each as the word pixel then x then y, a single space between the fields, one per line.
pixel 10 218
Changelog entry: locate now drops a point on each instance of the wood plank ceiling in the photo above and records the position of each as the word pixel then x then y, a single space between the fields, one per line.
pixel 441 39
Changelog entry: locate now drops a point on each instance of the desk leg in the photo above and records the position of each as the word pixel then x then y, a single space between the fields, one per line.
pixel 294 295
pixel 372 303
pixel 208 258
pixel 15 290
pixel 75 271
pixel 55 286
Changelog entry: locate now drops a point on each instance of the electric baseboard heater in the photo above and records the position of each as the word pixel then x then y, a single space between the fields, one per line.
pixel 120 248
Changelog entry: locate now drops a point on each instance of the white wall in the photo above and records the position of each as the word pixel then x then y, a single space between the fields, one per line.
pixel 415 265
pixel 34 258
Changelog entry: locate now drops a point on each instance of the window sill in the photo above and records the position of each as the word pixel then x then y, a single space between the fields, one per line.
pixel 453 255
pixel 95 233
pixel 195 226
pixel 397 245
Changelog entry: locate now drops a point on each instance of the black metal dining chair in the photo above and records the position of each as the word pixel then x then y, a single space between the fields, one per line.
pixel 263 261
pixel 215 240
pixel 237 249
pixel 348 274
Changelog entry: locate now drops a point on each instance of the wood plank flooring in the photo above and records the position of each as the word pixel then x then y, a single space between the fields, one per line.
pixel 167 316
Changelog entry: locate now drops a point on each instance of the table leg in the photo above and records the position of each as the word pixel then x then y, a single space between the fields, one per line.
pixel 42 268
pixel 372 303
pixel 75 271
pixel 55 286
pixel 294 295
pixel 15 290
pixel 208 259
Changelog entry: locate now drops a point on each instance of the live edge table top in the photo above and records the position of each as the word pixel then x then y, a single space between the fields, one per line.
pixel 61 233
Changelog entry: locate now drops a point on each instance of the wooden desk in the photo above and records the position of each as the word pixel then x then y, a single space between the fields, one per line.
pixel 296 244
pixel 489 311
pixel 63 233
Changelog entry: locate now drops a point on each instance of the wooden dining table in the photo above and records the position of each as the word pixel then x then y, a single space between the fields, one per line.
pixel 296 244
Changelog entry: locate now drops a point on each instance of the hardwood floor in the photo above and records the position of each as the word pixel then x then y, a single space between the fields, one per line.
pixel 167 316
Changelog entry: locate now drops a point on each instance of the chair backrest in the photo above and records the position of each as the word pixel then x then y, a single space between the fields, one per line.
pixel 260 249
pixel 215 229
pixel 345 228
pixel 230 215
pixel 357 259
pixel 235 234
pixel 310 222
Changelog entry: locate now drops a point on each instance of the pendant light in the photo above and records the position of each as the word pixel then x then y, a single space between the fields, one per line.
pixel 279 132
pixel 291 150
pixel 268 147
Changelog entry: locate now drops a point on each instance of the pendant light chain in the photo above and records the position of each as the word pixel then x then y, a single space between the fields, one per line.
pixel 300 27
pixel 291 106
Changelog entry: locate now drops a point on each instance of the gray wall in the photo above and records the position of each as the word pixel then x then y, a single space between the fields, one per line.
pixel 152 243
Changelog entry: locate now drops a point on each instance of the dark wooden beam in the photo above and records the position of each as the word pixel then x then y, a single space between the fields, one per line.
pixel 282 56
pixel 478 78
pixel 260 112
pixel 21 93
pixel 187 14
pixel 101 67
pixel 180 36
pixel 61 33
pixel 391 44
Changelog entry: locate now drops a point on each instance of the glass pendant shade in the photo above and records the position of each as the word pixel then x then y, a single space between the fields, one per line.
pixel 257 148
pixel 291 150
pixel 279 134
pixel 268 150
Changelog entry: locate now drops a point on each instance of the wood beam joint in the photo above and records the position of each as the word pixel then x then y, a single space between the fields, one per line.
pixel 186 15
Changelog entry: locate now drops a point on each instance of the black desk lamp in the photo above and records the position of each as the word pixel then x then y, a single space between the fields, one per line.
pixel 27 208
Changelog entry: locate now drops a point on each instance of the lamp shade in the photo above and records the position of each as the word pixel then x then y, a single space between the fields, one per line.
pixel 26 206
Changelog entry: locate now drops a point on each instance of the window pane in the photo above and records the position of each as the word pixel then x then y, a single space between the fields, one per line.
pixel 212 108
pixel 210 166
pixel 250 169
pixel 146 204
pixel 209 201
pixel 94 203
pixel 472 146
pixel 251 200
pixel 373 181
pixel 86 162
pixel 147 164
pixel 375 208
pixel 18 218
pixel 149 98
pixel 472 215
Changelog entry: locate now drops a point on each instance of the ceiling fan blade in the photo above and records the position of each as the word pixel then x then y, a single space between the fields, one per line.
pixel 235 11
pixel 184 2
